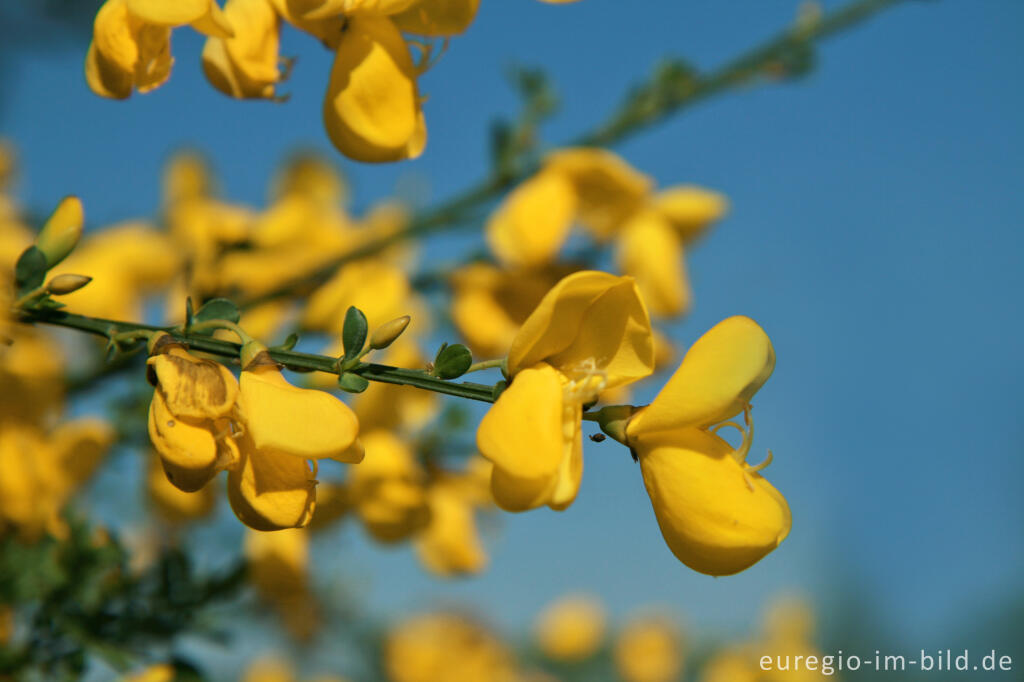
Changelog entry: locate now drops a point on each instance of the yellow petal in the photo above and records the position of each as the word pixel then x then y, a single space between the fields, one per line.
pixel 193 387
pixel 376 7
pixel 388 489
pixel 189 449
pixel 104 77
pixel 588 320
pixel 651 252
pixel 295 421
pixel 689 209
pixel 438 17
pixel 450 545
pixel 719 375
pixel 372 108
pixel 169 12
pixel 522 432
pixel 79 447
pixel 271 491
pixel 381 290
pixel 607 188
pixel 246 65
pixel 328 30
pixel 172 503
pixel 126 52
pixel 215 22
pixel 533 222
pixel 716 517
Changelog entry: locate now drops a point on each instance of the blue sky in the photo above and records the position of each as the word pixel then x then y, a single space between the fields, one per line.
pixel 875 233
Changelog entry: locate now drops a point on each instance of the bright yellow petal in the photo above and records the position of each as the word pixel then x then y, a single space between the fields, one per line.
pixel 289 420
pixel 189 449
pixel 169 12
pixel 719 375
pixel 215 22
pixel 104 77
pixel 522 432
pixel 590 321
pixel 608 189
pixel 652 253
pixel 387 488
pixel 372 108
pixel 172 503
pixel 689 209
pixel 271 491
pixel 246 65
pixel 438 17
pixel 533 222
pixel 450 545
pixel 715 516
pixel 193 387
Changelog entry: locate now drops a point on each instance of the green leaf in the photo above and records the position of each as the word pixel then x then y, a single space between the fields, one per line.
pixel 452 361
pixel 353 383
pixel 218 309
pixel 353 334
pixel 30 270
pixel 288 343
pixel 190 314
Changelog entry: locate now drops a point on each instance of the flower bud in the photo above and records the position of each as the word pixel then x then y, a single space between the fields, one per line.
pixel 386 334
pixel 62 230
pixel 65 284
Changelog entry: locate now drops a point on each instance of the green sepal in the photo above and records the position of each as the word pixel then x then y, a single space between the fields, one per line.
pixel 452 361
pixel 353 333
pixel 288 343
pixel 352 383
pixel 30 271
pixel 218 309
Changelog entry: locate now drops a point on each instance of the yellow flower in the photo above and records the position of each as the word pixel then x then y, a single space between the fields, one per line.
pixel 127 53
pixel 437 17
pixel 450 545
pixel 571 629
pixel 40 472
pixel 589 333
pixel 189 416
pixel 283 427
pixel 490 304
pixel 245 65
pixel 442 647
pixel 608 189
pixel 173 504
pixel 372 108
pixel 611 199
pixel 388 489
pixel 204 15
pixel 716 513
pixel 381 290
pixel 649 649
pixel 125 261
pixel 533 222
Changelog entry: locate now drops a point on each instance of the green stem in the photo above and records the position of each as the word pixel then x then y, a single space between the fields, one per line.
pixel 486 364
pixel 304 362
pixel 221 324
pixel 637 113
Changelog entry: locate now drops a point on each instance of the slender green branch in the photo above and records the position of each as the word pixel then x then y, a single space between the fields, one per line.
pixel 667 93
pixel 294 360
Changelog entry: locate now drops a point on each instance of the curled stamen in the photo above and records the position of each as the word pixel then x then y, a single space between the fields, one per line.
pixel 767 460
pixel 734 425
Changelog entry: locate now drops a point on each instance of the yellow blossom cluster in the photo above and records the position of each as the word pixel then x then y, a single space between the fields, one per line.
pixel 43 460
pixel 611 200
pixel 372 110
